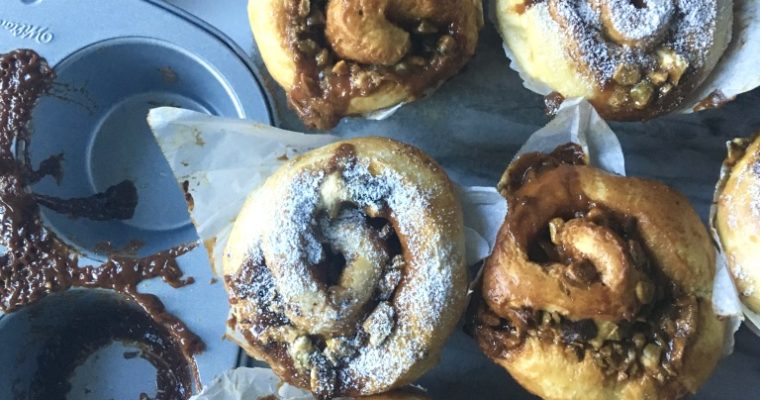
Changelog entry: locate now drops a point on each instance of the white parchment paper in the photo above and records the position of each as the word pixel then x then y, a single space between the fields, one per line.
pixel 736 72
pixel 224 160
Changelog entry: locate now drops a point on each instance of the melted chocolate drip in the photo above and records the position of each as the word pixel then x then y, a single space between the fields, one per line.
pixel 94 329
pixel 36 263
pixel 118 202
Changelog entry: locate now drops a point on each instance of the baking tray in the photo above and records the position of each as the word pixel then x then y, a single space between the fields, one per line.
pixel 115 60
pixel 474 125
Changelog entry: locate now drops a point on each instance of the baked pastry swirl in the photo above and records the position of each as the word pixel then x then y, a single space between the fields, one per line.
pixel 346 269
pixel 632 59
pixel 599 286
pixel 737 217
pixel 336 58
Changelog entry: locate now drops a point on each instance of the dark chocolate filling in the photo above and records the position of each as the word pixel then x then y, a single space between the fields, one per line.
pixel 35 262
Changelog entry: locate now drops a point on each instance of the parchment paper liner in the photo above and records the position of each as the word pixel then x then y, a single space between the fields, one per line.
pixel 223 160
pixel 736 72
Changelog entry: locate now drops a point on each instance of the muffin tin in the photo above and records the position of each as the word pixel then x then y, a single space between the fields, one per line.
pixel 115 60
pixel 472 125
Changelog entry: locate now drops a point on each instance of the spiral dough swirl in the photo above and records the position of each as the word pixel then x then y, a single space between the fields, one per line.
pixel 346 269
pixel 607 281
pixel 338 57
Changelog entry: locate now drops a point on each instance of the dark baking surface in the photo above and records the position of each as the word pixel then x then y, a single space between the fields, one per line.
pixel 474 125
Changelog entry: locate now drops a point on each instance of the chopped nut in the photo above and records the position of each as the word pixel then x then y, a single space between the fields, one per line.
pixel 316 19
pixel 639 340
pixel 340 68
pixel 658 77
pixel 380 323
pixel 642 94
pixel 645 292
pixel 417 61
pixel 638 257
pixel 555 225
pixel 304 8
pixel 665 89
pixel 300 352
pixel 674 63
pixel 627 74
pixel 323 380
pixel 401 67
pixel 619 98
pixel 446 44
pixel 608 331
pixel 323 58
pixel 338 350
pixel 426 27
pixel 650 357
pixel 308 46
pixel 546 318
pixel 388 284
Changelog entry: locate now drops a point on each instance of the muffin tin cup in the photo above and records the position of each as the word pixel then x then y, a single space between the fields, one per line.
pixel 95 116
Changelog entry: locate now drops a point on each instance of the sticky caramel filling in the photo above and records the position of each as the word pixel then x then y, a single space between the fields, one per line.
pixel 327 82
pixel 313 360
pixel 652 342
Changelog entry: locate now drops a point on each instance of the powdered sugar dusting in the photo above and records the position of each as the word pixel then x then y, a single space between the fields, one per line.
pixel 295 213
pixel 685 26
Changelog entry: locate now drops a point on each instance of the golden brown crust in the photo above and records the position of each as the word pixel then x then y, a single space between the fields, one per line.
pixel 737 217
pixel 632 61
pixel 346 269
pixel 338 58
pixel 600 287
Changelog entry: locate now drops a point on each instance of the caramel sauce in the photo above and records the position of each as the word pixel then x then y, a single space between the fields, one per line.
pixel 716 99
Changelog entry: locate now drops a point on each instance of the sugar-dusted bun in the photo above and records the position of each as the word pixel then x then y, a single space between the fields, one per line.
pixel 633 60
pixel 346 269
pixel 737 217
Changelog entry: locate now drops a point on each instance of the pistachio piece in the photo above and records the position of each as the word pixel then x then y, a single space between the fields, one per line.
pixel 555 225
pixel 650 357
pixel 425 27
pixel 380 323
pixel 401 67
pixel 642 94
pixel 665 89
pixel 645 292
pixel 446 44
pixel 300 352
pixel 658 77
pixel 339 349
pixel 308 46
pixel 619 98
pixel 323 58
pixel 304 8
pixel 608 331
pixel 627 74
pixel 638 257
pixel 639 340
pixel 674 63
pixel 341 68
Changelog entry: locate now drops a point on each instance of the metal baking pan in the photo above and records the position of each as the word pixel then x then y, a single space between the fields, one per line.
pixel 115 60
